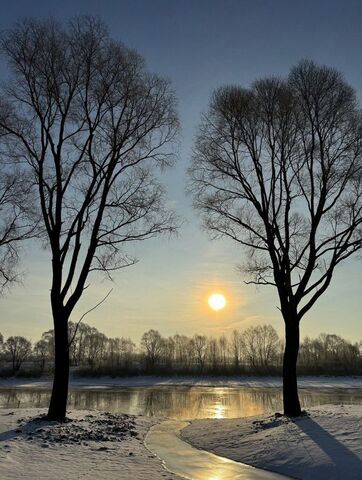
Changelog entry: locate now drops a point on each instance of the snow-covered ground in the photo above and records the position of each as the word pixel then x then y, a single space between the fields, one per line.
pixel 148 381
pixel 324 445
pixel 93 446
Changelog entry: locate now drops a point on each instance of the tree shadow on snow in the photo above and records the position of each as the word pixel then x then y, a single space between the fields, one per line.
pixel 342 457
pixel 9 435
pixel 26 428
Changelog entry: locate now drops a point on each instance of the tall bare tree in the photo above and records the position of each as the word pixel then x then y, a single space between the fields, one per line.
pixel 92 123
pixel 277 168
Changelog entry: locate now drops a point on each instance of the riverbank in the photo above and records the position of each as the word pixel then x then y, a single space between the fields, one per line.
pixel 93 445
pixel 326 444
pixel 192 381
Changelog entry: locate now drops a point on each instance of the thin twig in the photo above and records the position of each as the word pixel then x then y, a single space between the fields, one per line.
pixel 86 313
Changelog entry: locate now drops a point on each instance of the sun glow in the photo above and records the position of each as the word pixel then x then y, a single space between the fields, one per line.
pixel 217 301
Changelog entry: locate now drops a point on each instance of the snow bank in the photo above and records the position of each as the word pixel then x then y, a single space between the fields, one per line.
pixel 326 444
pixel 148 381
pixel 91 445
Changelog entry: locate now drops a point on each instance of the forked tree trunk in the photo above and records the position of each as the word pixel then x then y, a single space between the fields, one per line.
pixel 58 401
pixel 290 386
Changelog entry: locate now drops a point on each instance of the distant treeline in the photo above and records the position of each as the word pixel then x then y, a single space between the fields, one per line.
pixel 255 350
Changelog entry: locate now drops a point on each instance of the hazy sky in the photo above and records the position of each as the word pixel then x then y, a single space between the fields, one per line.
pixel 199 45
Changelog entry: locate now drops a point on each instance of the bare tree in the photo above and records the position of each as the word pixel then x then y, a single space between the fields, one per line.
pixel 277 168
pixel 260 345
pixel 44 349
pixel 184 351
pixel 95 344
pixel 168 352
pixel 236 347
pixel 248 342
pixel 213 354
pixel 92 124
pixel 18 349
pixel 223 348
pixel 152 344
pixel 124 350
pixel 200 347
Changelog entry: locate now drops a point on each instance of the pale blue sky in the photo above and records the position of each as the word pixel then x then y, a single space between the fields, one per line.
pixel 200 45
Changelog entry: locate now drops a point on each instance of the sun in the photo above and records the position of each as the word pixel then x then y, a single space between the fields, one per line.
pixel 217 301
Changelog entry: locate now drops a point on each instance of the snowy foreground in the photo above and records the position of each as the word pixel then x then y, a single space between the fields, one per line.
pixel 324 445
pixel 93 445
pixel 99 383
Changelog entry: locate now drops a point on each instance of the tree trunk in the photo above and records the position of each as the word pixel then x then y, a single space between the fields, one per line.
pixel 290 387
pixel 58 401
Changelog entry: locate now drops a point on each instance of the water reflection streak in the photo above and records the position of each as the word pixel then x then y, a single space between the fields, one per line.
pixel 178 402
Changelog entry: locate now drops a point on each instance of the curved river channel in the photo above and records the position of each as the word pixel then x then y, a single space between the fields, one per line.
pixel 179 404
pixel 181 458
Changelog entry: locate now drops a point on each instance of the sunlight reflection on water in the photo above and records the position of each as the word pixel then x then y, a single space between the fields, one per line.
pixel 180 403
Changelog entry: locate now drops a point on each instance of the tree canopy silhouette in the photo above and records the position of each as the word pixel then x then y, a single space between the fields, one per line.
pixel 17 219
pixel 92 124
pixel 277 168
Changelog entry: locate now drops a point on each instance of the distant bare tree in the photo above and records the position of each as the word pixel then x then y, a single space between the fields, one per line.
pixel 92 123
pixel 223 348
pixel 260 345
pixel 120 351
pixel 127 350
pixel 168 351
pixel 200 347
pixel 152 344
pixel 44 349
pixel 248 341
pixel 277 168
pixel 95 344
pixel 184 350
pixel 236 347
pixel 18 348
pixel 114 351
pixel 213 356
